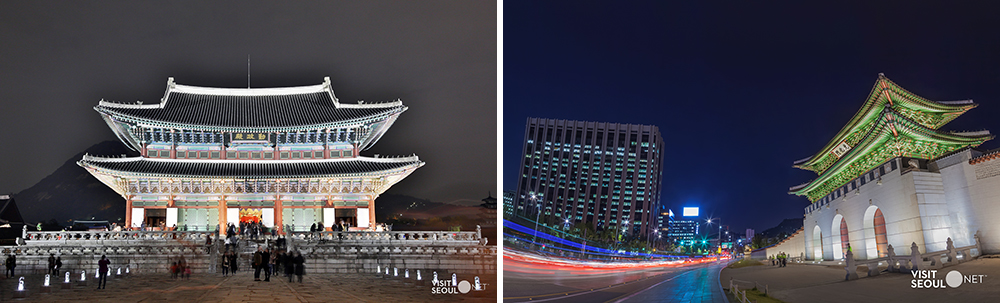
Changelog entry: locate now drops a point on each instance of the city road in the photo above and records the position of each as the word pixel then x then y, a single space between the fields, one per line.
pixel 524 281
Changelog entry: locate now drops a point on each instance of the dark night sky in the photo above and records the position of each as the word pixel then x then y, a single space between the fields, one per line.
pixel 57 61
pixel 740 91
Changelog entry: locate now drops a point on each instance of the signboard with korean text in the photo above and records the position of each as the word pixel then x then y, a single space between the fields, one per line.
pixel 249 137
pixel 841 149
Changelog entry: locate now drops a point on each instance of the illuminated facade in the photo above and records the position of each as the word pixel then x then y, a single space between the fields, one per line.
pixel 892 177
pixel 683 231
pixel 508 203
pixel 604 174
pixel 285 156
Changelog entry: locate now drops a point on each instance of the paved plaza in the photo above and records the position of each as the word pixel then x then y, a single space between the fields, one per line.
pixel 817 283
pixel 241 288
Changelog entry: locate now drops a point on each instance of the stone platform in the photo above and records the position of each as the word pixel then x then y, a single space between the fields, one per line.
pixel 242 288
pixel 326 252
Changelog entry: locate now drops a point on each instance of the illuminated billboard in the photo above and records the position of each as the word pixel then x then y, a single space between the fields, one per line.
pixel 690 211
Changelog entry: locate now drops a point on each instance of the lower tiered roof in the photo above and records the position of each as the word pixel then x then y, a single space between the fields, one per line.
pixel 250 169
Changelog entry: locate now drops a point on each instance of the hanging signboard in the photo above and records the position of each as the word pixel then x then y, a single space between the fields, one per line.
pixel 249 137
pixel 841 149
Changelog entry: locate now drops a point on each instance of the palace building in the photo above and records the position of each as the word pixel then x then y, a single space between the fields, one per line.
pixel 285 156
pixel 892 176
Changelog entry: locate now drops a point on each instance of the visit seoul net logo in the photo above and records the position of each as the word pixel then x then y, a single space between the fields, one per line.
pixel 929 279
pixel 454 287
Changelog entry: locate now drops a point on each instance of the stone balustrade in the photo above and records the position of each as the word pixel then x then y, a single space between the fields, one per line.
pixel 390 237
pixel 931 260
pixel 102 237
pixel 325 252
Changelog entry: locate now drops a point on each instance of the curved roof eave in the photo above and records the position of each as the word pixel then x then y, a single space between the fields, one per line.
pixel 333 124
pixel 912 128
pixel 416 163
pixel 866 111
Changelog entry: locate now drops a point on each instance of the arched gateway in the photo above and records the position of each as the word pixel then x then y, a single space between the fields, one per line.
pixel 894 133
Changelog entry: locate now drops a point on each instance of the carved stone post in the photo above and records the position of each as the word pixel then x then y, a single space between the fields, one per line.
pixel 892 259
pixel 979 244
pixel 952 255
pixel 851 266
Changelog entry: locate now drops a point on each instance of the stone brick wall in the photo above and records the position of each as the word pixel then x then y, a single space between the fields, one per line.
pixel 987 169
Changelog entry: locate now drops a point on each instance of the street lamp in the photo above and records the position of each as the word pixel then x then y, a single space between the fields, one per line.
pixel 619 237
pixel 720 229
pixel 649 240
pixel 538 208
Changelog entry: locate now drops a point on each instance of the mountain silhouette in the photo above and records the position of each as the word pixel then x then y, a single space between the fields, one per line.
pixel 72 193
pixel 786 227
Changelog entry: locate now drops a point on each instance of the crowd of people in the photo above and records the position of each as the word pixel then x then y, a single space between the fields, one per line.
pixel 781 259
pixel 180 269
pixel 267 261
pixel 55 263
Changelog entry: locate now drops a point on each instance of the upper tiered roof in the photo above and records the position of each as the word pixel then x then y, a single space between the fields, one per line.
pixel 250 109
pixel 892 123
pixel 927 113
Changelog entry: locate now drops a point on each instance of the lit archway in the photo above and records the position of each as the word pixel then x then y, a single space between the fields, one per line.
pixel 817 243
pixel 845 240
pixel 837 237
pixel 876 240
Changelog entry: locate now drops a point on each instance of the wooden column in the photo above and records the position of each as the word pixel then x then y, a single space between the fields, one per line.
pixel 371 214
pixel 279 214
pixel 128 211
pixel 222 215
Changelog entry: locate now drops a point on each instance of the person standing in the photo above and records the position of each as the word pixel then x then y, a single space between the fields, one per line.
pixel 258 258
pixel 225 264
pixel 273 263
pixel 300 265
pixel 266 264
pixel 289 264
pixel 11 263
pixel 234 264
pixel 102 281
pixel 58 266
pixel 52 264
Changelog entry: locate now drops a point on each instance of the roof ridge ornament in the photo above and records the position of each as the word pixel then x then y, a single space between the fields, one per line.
pixel 328 87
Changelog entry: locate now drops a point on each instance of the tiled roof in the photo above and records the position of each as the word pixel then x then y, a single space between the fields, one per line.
pixel 249 168
pixel 255 108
